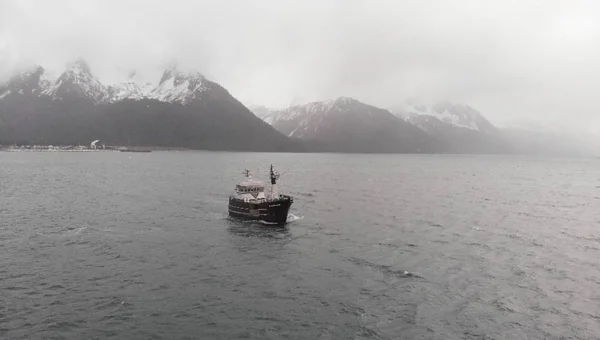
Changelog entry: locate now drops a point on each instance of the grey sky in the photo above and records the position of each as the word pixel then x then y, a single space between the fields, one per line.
pixel 509 59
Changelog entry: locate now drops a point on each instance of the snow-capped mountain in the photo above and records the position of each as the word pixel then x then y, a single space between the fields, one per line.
pixel 76 81
pixel 458 115
pixel 303 121
pixel 185 109
pixel 182 110
pixel 175 86
pixel 462 128
pixel 345 124
pixel 447 127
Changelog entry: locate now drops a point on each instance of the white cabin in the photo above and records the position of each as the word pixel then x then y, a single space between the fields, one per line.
pixel 250 190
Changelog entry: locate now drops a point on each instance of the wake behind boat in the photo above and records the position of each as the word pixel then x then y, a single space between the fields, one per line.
pixel 250 201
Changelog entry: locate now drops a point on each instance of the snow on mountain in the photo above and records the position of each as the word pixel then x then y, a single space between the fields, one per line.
pixel 305 119
pixel 457 115
pixel 76 107
pixel 348 125
pixel 130 89
pixel 178 87
pixel 77 80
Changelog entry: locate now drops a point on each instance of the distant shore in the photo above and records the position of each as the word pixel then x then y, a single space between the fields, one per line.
pixel 69 148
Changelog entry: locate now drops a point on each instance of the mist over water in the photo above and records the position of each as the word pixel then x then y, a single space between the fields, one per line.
pixel 137 246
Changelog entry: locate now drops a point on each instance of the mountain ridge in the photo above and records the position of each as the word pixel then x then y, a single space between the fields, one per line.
pixel 346 124
pixel 184 110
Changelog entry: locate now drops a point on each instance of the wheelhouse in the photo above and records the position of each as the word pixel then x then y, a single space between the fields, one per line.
pixel 249 188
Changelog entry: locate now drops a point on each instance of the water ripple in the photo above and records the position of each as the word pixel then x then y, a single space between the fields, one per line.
pixel 415 247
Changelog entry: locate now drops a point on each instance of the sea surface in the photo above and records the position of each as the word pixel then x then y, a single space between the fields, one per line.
pixel 109 245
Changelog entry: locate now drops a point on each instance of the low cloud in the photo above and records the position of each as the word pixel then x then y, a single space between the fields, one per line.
pixel 512 59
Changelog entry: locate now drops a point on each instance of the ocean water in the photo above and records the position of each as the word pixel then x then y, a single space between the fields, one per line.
pixel 139 246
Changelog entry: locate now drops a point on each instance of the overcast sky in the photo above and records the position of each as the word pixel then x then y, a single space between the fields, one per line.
pixel 524 59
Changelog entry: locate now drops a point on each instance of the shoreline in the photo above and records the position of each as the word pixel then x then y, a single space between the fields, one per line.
pixel 145 149
pixel 46 148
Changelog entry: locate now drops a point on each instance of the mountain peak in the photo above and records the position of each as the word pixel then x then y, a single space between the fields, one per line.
pixel 130 89
pixel 176 86
pixel 77 81
pixel 346 124
pixel 173 72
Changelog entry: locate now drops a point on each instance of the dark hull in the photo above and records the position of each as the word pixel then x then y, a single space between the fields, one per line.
pixel 274 212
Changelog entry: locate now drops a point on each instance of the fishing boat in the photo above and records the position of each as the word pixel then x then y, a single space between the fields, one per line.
pixel 250 201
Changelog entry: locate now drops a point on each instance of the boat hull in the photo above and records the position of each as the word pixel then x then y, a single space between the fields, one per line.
pixel 273 212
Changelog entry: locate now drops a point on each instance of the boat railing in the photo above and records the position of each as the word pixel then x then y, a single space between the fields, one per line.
pixel 261 200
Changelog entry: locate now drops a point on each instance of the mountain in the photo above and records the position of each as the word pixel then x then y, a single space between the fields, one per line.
pixel 461 128
pixel 77 82
pixel 177 87
pixel 457 115
pixel 347 125
pixel 185 109
pixel 182 110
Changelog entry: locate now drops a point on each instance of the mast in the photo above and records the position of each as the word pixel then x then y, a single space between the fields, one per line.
pixel 274 176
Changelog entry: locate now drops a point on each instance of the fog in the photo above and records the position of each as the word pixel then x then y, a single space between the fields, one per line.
pixel 512 60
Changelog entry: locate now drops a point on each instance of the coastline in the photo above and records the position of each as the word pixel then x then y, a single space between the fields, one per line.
pixel 50 148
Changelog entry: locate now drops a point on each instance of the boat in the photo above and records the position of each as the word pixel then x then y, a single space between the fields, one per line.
pixel 250 201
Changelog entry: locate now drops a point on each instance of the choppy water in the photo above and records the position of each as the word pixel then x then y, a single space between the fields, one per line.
pixel 138 246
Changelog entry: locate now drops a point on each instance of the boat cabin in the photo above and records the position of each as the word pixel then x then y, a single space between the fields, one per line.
pixel 250 190
pixel 250 187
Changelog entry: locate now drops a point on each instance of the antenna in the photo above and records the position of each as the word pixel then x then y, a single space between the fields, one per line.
pixel 274 175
